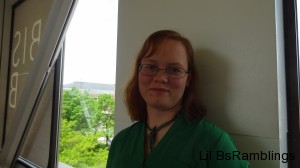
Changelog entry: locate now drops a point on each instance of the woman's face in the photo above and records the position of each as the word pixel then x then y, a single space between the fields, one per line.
pixel 160 91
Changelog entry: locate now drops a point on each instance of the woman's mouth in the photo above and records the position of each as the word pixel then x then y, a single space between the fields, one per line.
pixel 158 90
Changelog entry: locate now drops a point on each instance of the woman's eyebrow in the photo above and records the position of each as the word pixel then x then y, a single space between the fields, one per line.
pixel 149 60
pixel 175 64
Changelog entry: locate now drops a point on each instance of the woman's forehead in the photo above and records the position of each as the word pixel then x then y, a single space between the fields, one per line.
pixel 164 47
pixel 173 53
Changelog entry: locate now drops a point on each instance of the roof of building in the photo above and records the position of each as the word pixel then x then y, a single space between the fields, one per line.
pixel 92 87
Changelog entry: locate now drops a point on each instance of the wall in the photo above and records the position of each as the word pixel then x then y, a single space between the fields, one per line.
pixel 236 54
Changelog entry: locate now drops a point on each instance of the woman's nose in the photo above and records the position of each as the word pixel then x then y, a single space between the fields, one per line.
pixel 161 76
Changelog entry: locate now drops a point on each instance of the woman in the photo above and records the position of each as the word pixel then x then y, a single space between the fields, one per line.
pixel 170 130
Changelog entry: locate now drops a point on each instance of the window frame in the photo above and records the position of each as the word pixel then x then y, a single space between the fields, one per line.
pixel 47 54
pixel 292 73
pixel 55 117
pixel 1 39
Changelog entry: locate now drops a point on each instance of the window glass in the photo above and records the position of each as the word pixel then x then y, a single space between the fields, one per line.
pixel 33 34
pixel 87 121
pixel 37 143
pixel 28 21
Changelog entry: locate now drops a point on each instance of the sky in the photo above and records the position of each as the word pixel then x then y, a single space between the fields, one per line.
pixel 91 43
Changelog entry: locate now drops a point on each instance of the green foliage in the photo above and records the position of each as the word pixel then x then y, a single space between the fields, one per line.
pixel 74 106
pixel 106 105
pixel 84 120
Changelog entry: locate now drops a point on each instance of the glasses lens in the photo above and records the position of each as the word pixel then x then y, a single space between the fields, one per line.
pixel 172 72
pixel 149 69
pixel 175 72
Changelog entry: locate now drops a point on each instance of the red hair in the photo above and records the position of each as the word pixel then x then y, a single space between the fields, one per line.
pixel 134 101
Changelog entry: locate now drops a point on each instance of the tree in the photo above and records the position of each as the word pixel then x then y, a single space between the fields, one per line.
pixel 105 107
pixel 81 150
pixel 84 120
pixel 77 107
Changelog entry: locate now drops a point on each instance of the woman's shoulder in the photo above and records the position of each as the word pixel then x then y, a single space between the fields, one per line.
pixel 129 131
pixel 210 133
pixel 209 127
pixel 201 126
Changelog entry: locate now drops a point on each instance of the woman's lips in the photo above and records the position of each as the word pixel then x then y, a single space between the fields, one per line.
pixel 158 90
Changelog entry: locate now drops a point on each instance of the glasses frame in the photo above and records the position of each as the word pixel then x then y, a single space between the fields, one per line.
pixel 162 69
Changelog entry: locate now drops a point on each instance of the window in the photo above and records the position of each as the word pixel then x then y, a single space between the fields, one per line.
pixel 32 57
pixel 87 117
pixel 32 45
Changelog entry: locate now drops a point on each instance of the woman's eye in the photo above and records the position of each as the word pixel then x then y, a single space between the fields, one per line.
pixel 174 70
pixel 151 67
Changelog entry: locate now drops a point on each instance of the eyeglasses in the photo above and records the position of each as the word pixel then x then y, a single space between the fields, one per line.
pixel 172 72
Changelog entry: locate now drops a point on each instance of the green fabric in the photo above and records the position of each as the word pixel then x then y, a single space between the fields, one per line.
pixel 186 144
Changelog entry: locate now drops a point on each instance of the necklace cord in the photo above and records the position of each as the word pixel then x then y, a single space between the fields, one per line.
pixel 154 130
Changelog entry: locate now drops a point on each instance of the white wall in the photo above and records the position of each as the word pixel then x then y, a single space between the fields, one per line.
pixel 236 54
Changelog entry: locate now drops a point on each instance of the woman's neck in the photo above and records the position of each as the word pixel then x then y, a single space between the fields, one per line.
pixel 156 117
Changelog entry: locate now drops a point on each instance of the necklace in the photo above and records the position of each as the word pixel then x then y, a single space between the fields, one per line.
pixel 154 130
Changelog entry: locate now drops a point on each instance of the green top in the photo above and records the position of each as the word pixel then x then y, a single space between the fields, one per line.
pixel 186 144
